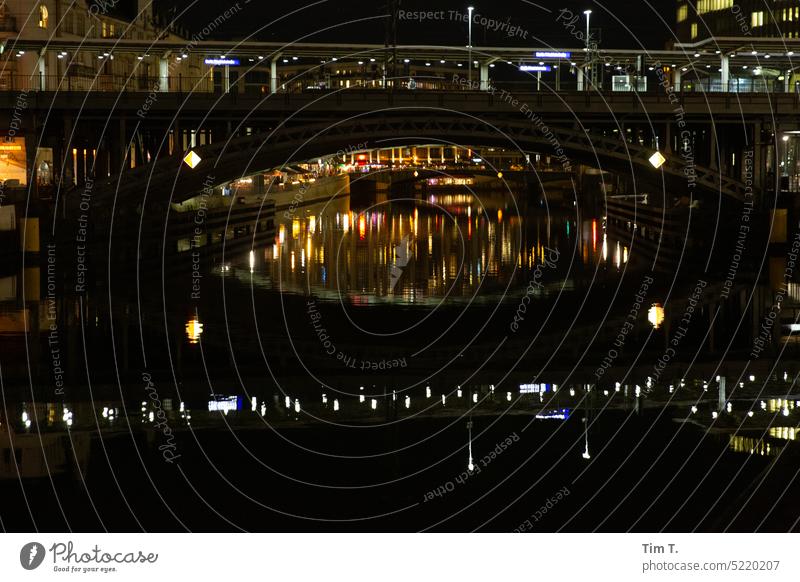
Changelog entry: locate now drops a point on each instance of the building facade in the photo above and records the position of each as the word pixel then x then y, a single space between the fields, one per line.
pixel 84 69
pixel 701 19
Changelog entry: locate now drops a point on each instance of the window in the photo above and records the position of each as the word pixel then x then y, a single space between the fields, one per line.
pixel 683 12
pixel 43 16
pixel 694 30
pixel 757 19
pixel 704 6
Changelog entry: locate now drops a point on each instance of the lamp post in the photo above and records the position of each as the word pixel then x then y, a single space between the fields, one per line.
pixel 470 463
pixel 469 42
pixel 588 14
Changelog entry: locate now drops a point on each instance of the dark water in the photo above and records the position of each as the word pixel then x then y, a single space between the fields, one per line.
pixel 390 325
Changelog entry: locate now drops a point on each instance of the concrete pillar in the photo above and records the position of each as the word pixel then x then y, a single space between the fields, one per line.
pixel 580 78
pixel 226 80
pixel 722 394
pixel 273 76
pixel 42 70
pixel 484 72
pixel 677 87
pixel 163 75
pixel 726 72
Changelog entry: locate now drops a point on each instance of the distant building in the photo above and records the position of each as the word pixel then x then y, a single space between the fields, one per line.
pixel 83 21
pixel 701 19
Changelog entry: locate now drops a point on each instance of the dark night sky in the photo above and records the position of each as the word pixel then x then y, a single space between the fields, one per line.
pixel 649 27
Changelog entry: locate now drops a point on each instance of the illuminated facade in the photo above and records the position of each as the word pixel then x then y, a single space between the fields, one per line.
pixel 701 19
pixel 82 70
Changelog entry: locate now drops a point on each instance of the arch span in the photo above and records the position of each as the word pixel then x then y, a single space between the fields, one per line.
pixel 170 180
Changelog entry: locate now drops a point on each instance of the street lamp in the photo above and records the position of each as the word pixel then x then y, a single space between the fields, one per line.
pixel 588 14
pixel 469 42
pixel 470 463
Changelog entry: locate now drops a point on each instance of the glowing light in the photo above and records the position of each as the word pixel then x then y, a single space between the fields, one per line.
pixel 335 404
pixel 475 397
pixel 444 400
pixel 408 401
pixel 192 160
pixel 297 405
pixel 194 329
pixel 253 404
pixel 427 392
pixel 694 410
pixel 288 402
pixel 362 227
pixel 458 392
pixel 508 396
pixel 657 160
pixel 374 404
pixel 324 398
pixel 656 315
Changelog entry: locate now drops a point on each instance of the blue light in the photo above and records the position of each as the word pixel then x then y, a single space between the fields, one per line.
pixel 229 62
pixel 553 55
pixel 536 68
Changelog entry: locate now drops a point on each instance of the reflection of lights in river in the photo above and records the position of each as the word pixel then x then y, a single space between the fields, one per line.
pixel 194 329
pixel 656 315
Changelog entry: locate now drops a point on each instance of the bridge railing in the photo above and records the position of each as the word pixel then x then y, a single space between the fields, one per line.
pixel 243 86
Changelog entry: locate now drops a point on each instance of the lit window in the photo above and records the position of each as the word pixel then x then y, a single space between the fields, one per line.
pixel 694 30
pixel 43 14
pixel 757 19
pixel 683 12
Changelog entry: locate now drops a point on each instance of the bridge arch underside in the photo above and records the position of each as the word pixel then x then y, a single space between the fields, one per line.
pixel 170 180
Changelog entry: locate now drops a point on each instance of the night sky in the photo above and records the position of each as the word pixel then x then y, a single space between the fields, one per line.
pixel 622 23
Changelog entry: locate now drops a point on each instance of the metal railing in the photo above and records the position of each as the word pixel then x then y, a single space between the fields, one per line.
pixel 207 85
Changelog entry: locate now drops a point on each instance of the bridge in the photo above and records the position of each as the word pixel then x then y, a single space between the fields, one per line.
pixel 692 109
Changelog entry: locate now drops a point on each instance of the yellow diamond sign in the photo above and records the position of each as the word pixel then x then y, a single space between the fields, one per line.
pixel 192 159
pixel 657 160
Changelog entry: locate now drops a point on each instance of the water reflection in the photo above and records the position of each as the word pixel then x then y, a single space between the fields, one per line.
pixel 446 246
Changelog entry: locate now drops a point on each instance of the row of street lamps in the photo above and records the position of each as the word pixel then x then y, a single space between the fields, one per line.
pixel 470 9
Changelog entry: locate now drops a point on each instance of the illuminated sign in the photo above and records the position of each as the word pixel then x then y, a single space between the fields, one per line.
pixel 225 404
pixel 229 62
pixel 552 55
pixel 536 68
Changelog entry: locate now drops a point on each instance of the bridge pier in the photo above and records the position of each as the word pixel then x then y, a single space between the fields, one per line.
pixel 273 74
pixel 484 76
pixel 726 71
